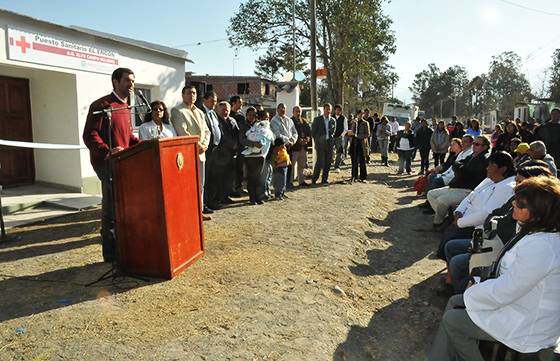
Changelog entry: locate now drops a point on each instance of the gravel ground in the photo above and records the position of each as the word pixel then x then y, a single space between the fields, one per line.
pixel 332 273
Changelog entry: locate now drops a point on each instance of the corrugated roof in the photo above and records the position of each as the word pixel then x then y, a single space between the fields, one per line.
pixel 177 53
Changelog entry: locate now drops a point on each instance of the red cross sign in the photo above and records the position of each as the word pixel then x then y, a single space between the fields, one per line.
pixel 24 45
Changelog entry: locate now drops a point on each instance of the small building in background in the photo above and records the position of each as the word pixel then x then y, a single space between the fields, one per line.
pixel 252 89
pixel 49 75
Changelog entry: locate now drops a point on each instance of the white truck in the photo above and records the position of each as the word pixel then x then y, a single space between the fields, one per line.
pixel 403 113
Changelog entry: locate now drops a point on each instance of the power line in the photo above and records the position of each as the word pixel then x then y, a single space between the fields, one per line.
pixel 529 8
pixel 200 43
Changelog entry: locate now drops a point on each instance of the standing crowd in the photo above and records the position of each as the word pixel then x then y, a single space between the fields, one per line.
pixel 495 201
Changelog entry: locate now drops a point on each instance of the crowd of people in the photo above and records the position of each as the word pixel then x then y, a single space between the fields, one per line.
pixel 503 189
pixel 505 185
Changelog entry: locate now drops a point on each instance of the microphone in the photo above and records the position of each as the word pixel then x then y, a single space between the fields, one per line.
pixel 146 103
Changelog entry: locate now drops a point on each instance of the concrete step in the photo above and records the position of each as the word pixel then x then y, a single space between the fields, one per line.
pixel 21 198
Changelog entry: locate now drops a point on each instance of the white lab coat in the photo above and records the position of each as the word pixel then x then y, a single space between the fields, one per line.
pixel 521 308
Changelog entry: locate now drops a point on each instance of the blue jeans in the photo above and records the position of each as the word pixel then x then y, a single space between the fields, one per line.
pixel 458 263
pixel 339 147
pixel 279 180
pixel 267 175
pixel 404 160
pixel 434 181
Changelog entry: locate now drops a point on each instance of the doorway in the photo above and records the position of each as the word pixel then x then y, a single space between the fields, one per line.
pixel 17 166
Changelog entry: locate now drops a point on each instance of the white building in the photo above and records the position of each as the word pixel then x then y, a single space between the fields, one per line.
pixel 49 75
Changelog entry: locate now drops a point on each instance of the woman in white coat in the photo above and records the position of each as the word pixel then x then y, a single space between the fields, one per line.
pixel 520 307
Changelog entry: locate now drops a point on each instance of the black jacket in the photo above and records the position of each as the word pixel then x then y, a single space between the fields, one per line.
pixel 506 224
pixel 423 137
pixel 470 171
pixel 303 132
pixel 549 133
pixel 229 143
pixel 409 135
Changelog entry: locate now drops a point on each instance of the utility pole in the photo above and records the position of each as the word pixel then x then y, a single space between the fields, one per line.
pixel 454 105
pixel 441 109
pixel 294 39
pixel 312 8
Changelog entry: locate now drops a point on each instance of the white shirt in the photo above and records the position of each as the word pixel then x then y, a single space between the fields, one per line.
pixel 404 144
pixel 151 130
pixel 284 127
pixel 521 308
pixel 394 127
pixel 484 199
pixel 326 120
pixel 448 175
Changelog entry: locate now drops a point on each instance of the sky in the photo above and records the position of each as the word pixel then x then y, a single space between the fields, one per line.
pixel 445 32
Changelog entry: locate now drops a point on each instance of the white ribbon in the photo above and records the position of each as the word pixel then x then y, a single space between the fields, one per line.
pixel 13 143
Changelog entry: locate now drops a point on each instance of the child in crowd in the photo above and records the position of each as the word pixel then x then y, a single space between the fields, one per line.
pixel 280 163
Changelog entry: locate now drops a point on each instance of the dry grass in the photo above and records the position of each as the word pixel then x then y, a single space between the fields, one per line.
pixel 268 288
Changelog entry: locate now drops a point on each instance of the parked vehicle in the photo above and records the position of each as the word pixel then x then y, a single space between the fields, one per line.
pixel 403 113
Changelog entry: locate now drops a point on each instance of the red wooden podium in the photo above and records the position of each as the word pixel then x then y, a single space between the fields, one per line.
pixel 158 207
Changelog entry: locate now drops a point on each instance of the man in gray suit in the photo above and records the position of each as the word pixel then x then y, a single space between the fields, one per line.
pixel 322 131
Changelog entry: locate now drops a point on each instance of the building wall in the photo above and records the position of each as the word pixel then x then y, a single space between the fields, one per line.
pixel 225 87
pixel 290 99
pixel 53 117
pixel 60 97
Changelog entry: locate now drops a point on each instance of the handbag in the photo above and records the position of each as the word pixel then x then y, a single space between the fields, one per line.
pixel 420 184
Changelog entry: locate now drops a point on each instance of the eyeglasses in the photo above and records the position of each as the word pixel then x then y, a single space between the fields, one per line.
pixel 479 144
pixel 158 109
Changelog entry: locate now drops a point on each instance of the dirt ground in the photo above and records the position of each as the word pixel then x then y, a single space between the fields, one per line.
pixel 332 273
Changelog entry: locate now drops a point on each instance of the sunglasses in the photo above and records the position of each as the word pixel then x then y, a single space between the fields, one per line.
pixel 479 144
pixel 158 109
pixel 519 204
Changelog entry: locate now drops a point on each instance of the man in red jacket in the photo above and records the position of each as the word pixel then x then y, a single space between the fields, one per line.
pixel 102 144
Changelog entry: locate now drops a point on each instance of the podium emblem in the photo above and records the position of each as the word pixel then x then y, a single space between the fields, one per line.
pixel 180 160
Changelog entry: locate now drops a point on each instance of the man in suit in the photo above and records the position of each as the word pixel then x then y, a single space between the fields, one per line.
pixel 339 134
pixel 221 173
pixel 187 119
pixel 236 103
pixel 322 131
pixel 209 102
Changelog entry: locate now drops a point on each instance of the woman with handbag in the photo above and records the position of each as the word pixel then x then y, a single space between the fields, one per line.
pixel 519 304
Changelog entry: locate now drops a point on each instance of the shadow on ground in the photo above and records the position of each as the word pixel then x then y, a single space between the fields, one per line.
pixel 407 244
pixel 25 295
pixel 28 295
pixel 412 321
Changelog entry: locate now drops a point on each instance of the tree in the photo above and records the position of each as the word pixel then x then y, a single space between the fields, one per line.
pixel 439 92
pixel 554 84
pixel 354 40
pixel 505 84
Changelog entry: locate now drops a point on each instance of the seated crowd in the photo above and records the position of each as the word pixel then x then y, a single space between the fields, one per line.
pixel 495 203
pixel 501 189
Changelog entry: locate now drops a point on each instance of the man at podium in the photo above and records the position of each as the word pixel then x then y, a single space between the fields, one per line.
pixel 105 134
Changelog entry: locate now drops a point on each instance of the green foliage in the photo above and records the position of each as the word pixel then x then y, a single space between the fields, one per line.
pixel 499 89
pixel 439 92
pixel 354 41
pixel 554 84
pixel 505 84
